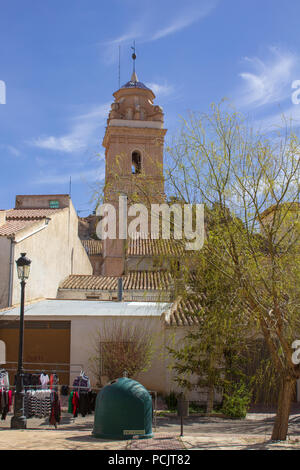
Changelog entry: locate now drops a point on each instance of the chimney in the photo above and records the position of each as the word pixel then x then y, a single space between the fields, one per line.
pixel 120 289
pixel 2 217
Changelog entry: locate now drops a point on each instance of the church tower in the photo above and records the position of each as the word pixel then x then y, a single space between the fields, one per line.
pixel 134 145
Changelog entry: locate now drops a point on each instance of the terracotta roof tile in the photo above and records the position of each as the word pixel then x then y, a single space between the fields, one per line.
pixel 135 280
pixel 29 214
pixel 93 247
pixel 13 226
pixel 147 280
pixel 184 312
pixel 140 247
pixel 154 247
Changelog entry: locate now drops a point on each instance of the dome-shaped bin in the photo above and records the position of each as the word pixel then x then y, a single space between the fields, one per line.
pixel 123 411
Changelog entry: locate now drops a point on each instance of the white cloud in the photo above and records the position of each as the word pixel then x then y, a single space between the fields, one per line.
pixel 82 129
pixel 159 89
pixel 270 80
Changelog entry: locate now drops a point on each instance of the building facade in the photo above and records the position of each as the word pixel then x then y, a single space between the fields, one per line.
pixel 46 228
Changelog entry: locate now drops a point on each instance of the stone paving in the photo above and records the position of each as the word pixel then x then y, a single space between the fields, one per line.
pixel 203 433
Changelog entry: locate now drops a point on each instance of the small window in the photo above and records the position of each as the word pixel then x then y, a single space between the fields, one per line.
pixel 54 204
pixel 136 163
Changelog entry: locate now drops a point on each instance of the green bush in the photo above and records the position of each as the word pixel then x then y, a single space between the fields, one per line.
pixel 196 408
pixel 236 401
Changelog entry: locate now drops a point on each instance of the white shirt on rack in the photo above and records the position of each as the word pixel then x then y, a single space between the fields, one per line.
pixel 44 379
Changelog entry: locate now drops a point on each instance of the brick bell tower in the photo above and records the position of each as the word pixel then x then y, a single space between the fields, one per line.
pixel 134 144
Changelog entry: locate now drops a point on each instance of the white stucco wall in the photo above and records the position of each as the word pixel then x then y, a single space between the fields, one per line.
pixel 55 252
pixel 4 270
pixel 84 336
pixel 88 318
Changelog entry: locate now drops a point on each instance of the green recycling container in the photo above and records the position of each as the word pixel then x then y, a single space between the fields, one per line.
pixel 123 411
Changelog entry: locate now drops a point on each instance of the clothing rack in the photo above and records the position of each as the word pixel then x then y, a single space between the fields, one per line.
pixel 58 385
pixel 48 369
pixel 39 370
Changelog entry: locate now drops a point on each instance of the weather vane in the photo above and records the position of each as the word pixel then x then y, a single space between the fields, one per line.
pixel 133 55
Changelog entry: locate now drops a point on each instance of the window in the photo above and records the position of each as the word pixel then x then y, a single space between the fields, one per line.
pixel 136 163
pixel 54 204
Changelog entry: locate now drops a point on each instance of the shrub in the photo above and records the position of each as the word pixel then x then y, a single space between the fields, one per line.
pixel 236 401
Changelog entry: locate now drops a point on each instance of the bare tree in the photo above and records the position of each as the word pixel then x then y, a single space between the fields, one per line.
pixel 121 346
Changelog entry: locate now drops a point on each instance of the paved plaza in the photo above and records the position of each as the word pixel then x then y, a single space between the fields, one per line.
pixel 206 433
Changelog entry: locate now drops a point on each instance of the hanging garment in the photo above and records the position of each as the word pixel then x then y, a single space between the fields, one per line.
pixel 92 400
pixel 4 379
pixel 83 405
pixel 37 403
pixel 44 379
pixel 53 382
pixel 5 402
pixel 82 382
pixel 75 404
pixel 64 390
pixel 55 413
pixel 70 407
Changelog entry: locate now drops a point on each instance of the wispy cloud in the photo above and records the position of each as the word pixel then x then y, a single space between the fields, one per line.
pixel 89 176
pixel 11 149
pixel 183 20
pixel 268 81
pixel 160 89
pixel 79 137
pixel 288 117
pixel 151 24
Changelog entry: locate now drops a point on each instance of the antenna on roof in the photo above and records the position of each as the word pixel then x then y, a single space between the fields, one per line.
pixel 70 186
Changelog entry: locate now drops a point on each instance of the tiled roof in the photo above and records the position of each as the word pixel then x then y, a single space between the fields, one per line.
pixel 148 280
pixel 93 247
pixel 184 312
pixel 13 226
pixel 135 280
pixel 134 84
pixel 29 214
pixel 154 247
pixel 140 247
pixel 17 219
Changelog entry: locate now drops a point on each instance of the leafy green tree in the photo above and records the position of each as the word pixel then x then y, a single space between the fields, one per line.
pixel 212 354
pixel 218 160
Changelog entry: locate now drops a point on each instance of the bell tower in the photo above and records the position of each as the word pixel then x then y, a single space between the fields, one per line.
pixel 134 144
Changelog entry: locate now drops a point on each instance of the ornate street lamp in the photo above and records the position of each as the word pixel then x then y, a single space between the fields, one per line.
pixel 18 421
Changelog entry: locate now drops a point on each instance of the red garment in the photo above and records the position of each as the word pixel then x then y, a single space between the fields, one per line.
pixel 9 399
pixel 75 403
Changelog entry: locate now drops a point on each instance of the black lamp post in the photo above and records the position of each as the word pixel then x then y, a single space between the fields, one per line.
pixel 18 421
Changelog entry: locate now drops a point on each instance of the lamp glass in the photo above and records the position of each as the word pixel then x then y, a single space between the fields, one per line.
pixel 23 272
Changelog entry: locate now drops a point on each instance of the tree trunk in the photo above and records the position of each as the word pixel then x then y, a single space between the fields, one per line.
pixel 280 428
pixel 210 399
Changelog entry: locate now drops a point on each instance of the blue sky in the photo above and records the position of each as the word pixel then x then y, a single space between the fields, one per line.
pixel 59 62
